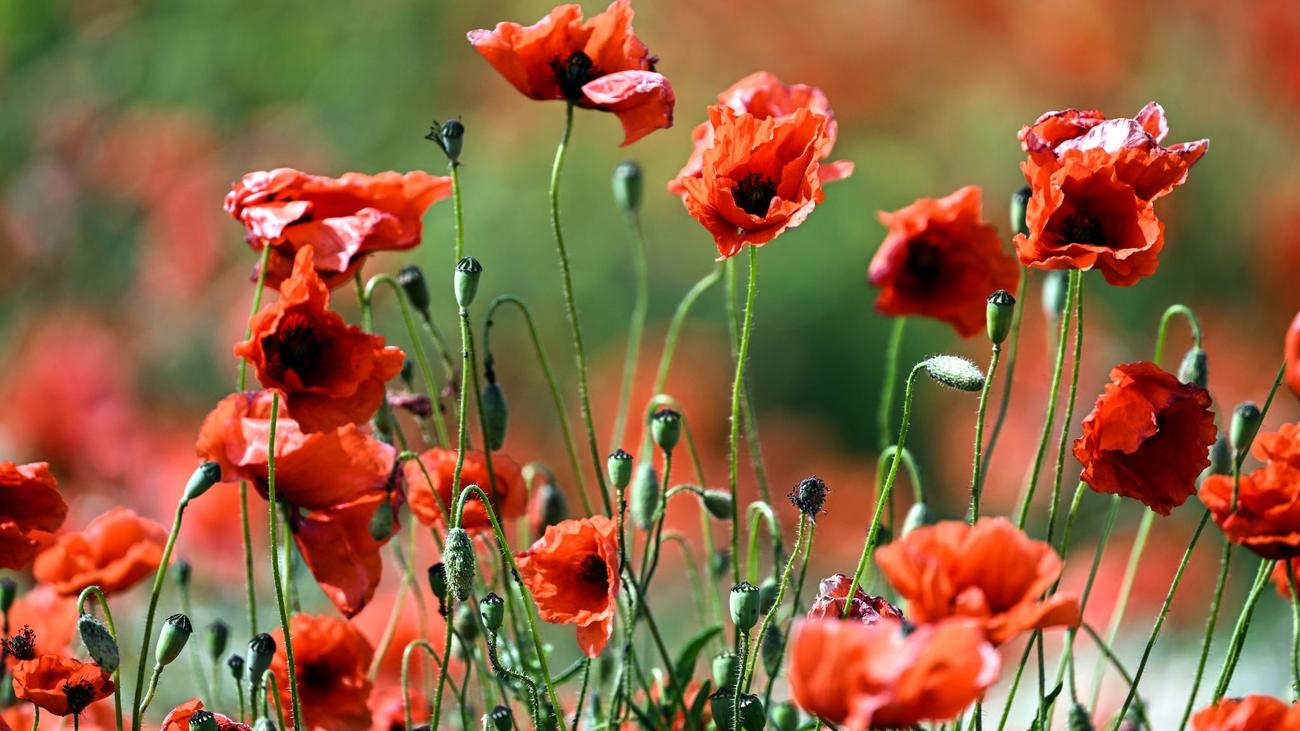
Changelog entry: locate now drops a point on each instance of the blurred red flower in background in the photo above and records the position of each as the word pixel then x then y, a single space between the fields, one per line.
pixel 597 64
pixel 344 219
pixel 1266 516
pixel 114 551
pixel 30 509
pixel 1292 354
pixel 573 574
pixel 940 259
pixel 61 685
pixel 1248 714
pixel 178 718
pixel 430 495
pixel 46 612
pixel 331 659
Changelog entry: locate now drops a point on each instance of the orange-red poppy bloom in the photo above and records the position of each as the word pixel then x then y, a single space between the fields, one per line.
pixel 61 685
pixel 572 571
pixel 178 718
pixel 760 176
pixel 596 64
pixel 941 259
pixel 1279 577
pixel 1148 437
pixel 388 710
pixel 345 219
pixel 991 572
pixel 116 550
pixel 312 471
pixel 338 548
pixel 859 676
pixel 332 658
pixel 1292 352
pixel 331 373
pixel 833 591
pixel 1252 713
pixel 763 95
pixel 1266 518
pixel 430 495
pixel 46 613
pixel 30 508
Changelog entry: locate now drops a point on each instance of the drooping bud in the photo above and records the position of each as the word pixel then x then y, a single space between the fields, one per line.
pixel 411 277
pixel 724 667
pixel 718 503
pixel 205 476
pixel 452 139
pixel 918 515
pixel 955 372
pixel 1020 204
pixel 752 717
pixel 465 624
pixel 745 601
pixel 1056 290
pixel 666 428
pixel 99 642
pixel 264 724
pixel 1194 368
pixel 381 522
pixel 785 717
pixel 809 496
pixel 468 271
pixel 260 651
pixel 627 186
pixel 461 564
pixel 1079 718
pixel 772 650
pixel 496 415
pixel 202 720
pixel 1220 457
pixel 1245 423
pixel 438 581
pixel 643 501
pixel 499 719
pixel 176 631
pixel 492 608
pixel 998 315
pixel 720 563
pixel 767 594
pixel 235 664
pixel 619 468
pixel 8 593
pixel 218 637
pixel 183 572
pixel 546 508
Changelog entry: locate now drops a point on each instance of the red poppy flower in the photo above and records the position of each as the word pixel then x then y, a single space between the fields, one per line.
pixel 991 572
pixel 763 95
pixel 331 373
pixel 61 685
pixel 1248 714
pixel 1292 353
pixel 572 572
pixel 597 64
pixel 1148 437
pixel 831 594
pixel 116 550
pixel 388 709
pixel 313 471
pixel 940 259
pixel 1267 515
pixel 178 718
pixel 332 659
pixel 760 177
pixel 1279 577
pixel 338 548
pixel 860 676
pixel 345 219
pixel 46 612
pixel 30 508
pixel 510 500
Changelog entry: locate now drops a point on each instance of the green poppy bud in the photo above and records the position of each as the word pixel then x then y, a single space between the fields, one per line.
pixel 666 428
pixel 493 610
pixel 468 271
pixel 461 564
pixel 752 717
pixel 809 496
pixel 718 503
pixel 381 522
pixel 183 572
pixel 998 314
pixel 546 508
pixel 452 139
pixel 465 623
pixel 725 666
pixel 205 476
pixel 235 664
pixel 202 720
pixel 8 593
pixel 438 580
pixel 619 468
pixel 264 724
pixel 499 719
pixel 176 631
pixel 745 602
pixel 411 278
pixel 1245 423
pixel 627 186
pixel 260 651
pixel 720 703
pixel 767 594
pixel 1220 457
pixel 772 650
pixel 1056 290
pixel 720 563
pixel 218 637
pixel 917 516
pixel 785 717
pixel 645 497
pixel 496 414
pixel 1079 718
pixel 955 372
pixel 99 642
pixel 1020 204
pixel 1194 368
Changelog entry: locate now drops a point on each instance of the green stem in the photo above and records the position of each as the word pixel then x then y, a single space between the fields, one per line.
pixel 1125 591
pixel 1114 660
pixel 250 590
pixel 112 632
pixel 417 346
pixel 885 414
pixel 759 509
pixel 163 564
pixel 1243 626
pixel 1004 404
pixel 1208 639
pixel 742 652
pixel 1295 629
pixel 458 221
pixel 635 328
pixel 1064 442
pixel 406 677
pixel 975 482
pixel 273 519
pixel 750 425
pixel 776 605
pixel 737 385
pixel 153 688
pixel 798 602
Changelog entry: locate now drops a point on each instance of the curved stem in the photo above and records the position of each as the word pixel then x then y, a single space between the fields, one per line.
pixel 635 328
pixel 1013 347
pixel 1169 314
pixel 272 518
pixel 153 688
pixel 737 385
pixel 798 602
pixel 759 509
pixel 977 461
pixel 417 343
pixel 98 593
pixel 884 461
pixel 137 711
pixel 691 562
pixel 885 414
pixel 406 677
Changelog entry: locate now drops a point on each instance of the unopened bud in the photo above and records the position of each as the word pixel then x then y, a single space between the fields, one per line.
pixel 1079 718
pixel 218 637
pixel 745 602
pixel 461 564
pixel 643 502
pixel 720 704
pixel 99 643
pixel 260 651
pixel 666 428
pixel 499 719
pixel 411 278
pixel 465 624
pixel 773 648
pixel 546 508
pixel 452 139
pixel 619 468
pixel 720 562
pixel 183 572
pixel 1056 290
pixel 919 515
pixel 468 271
pixel 627 186
pixel 1019 204
pixel 998 314
pixel 955 372
pixel 724 667
pixel 202 720
pixel 767 592
pixel 264 724
pixel 8 593
pixel 438 581
pixel 1220 457
pixel 1245 424
pixel 718 503
pixel 176 631
pixel 809 496
pixel 381 522
pixel 496 415
pixel 752 717
pixel 235 664
pixel 493 611
pixel 1194 368
pixel 785 717
pixel 205 476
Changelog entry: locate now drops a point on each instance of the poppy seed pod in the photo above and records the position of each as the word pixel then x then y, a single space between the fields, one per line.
pixel 745 602
pixel 235 664
pixel 546 508
pixel 218 637
pixel 8 593
pixel 496 415
pixel 468 271
pixel 955 372
pixel 644 500
pixel 183 572
pixel 1220 457
pixel 773 648
pixel 176 631
pixel 666 428
pixel 264 724
pixel 493 610
pixel 99 642
pixel 918 516
pixel 205 476
pixel 451 138
pixel 465 624
pixel 1194 368
pixel 1079 718
pixel 752 717
pixel 627 186
pixel 203 720
pixel 260 651
pixel 1056 288
pixel 718 503
pixel 499 719
pixel 1019 205
pixel 619 468
pixel 785 717
pixel 460 561
pixel 411 278
pixel 999 310
pixel 1245 423
pixel 438 580
pixel 809 496
pixel 725 666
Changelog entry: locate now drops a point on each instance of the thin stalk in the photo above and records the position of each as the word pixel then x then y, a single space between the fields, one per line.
pixel 250 590
pixel 112 632
pixel 750 424
pixel 1004 404
pixel 163 564
pixel 885 414
pixel 798 602
pixel 1239 632
pixel 1064 442
pixel 737 385
pixel 1295 630
pixel 776 605
pixel 272 517
pixel 417 346
pixel 1125 591
pixel 1208 639
pixel 975 481
pixel 635 327
pixel 458 220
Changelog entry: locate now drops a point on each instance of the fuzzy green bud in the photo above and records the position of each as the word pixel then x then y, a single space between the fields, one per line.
pixel 1194 368
pixel 411 279
pixel 767 594
pixel 809 496
pixel 955 372
pixel 496 415
pixel 1056 290
pixel 785 717
pixel 1245 424
pixel 493 611
pixel 666 428
pixel 1020 204
pixel 1220 457
pixel 644 499
pixel 438 580
pixel 461 564
pixel 451 138
pixel 628 185
pixel 499 719
pixel 381 522
pixel 176 631
pixel 724 667
pixel 465 623
pixel 218 638
pixel 718 503
pixel 202 720
pixel 772 650
pixel 745 601
pixel 720 703
pixel 235 664
pixel 619 468
pixel 468 271
pixel 998 315
pixel 260 651
pixel 99 642
pixel 205 476
pixel 918 515
pixel 752 717
pixel 8 593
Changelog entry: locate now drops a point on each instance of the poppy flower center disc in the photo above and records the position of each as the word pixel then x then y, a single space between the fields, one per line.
pixel 297 346
pixel 573 73
pixel 754 194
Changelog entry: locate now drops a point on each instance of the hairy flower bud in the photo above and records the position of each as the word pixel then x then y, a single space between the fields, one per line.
pixel 772 650
pixel 998 315
pixel 619 468
pixel 720 562
pixel 99 642
pixel 176 631
pixel 381 522
pixel 499 719
pixel 1220 457
pixel 205 476
pixel 438 581
pixel 1056 288
pixel 628 186
pixel 666 428
pixel 1245 423
pixel 183 572
pixel 461 564
pixel 452 139
pixel 718 503
pixel 644 499
pixel 8 593
pixel 1194 368
pixel 767 594
pixel 493 611
pixel 745 602
pixel 546 508
pixel 752 717
pixel 260 651
pixel 785 717
pixel 809 496
pixel 465 624
pixel 724 667
pixel 411 278
pixel 468 271
pixel 955 372
pixel 720 703
pixel 496 415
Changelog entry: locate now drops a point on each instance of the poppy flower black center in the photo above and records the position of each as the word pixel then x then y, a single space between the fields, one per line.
pixel 754 194
pixel 593 571
pixel 21 646
pixel 79 694
pixel 316 675
pixel 1081 227
pixel 297 345
pixel 924 262
pixel 573 73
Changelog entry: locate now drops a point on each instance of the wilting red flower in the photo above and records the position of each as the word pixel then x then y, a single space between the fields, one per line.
pixel 115 551
pixel 331 373
pixel 509 501
pixel 345 219
pixel 46 613
pixel 1292 353
pixel 30 508
pixel 860 676
pixel 178 718
pixel 338 548
pixel 1267 515
pixel 572 572
pixel 1148 437
pixel 760 177
pixel 332 658
pixel 834 590
pixel 940 259
pixel 597 64
pixel 61 685
pixel 763 95
pixel 1248 714
pixel 991 572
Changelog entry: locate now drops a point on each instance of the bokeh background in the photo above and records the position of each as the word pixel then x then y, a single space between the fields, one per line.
pixel 123 284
